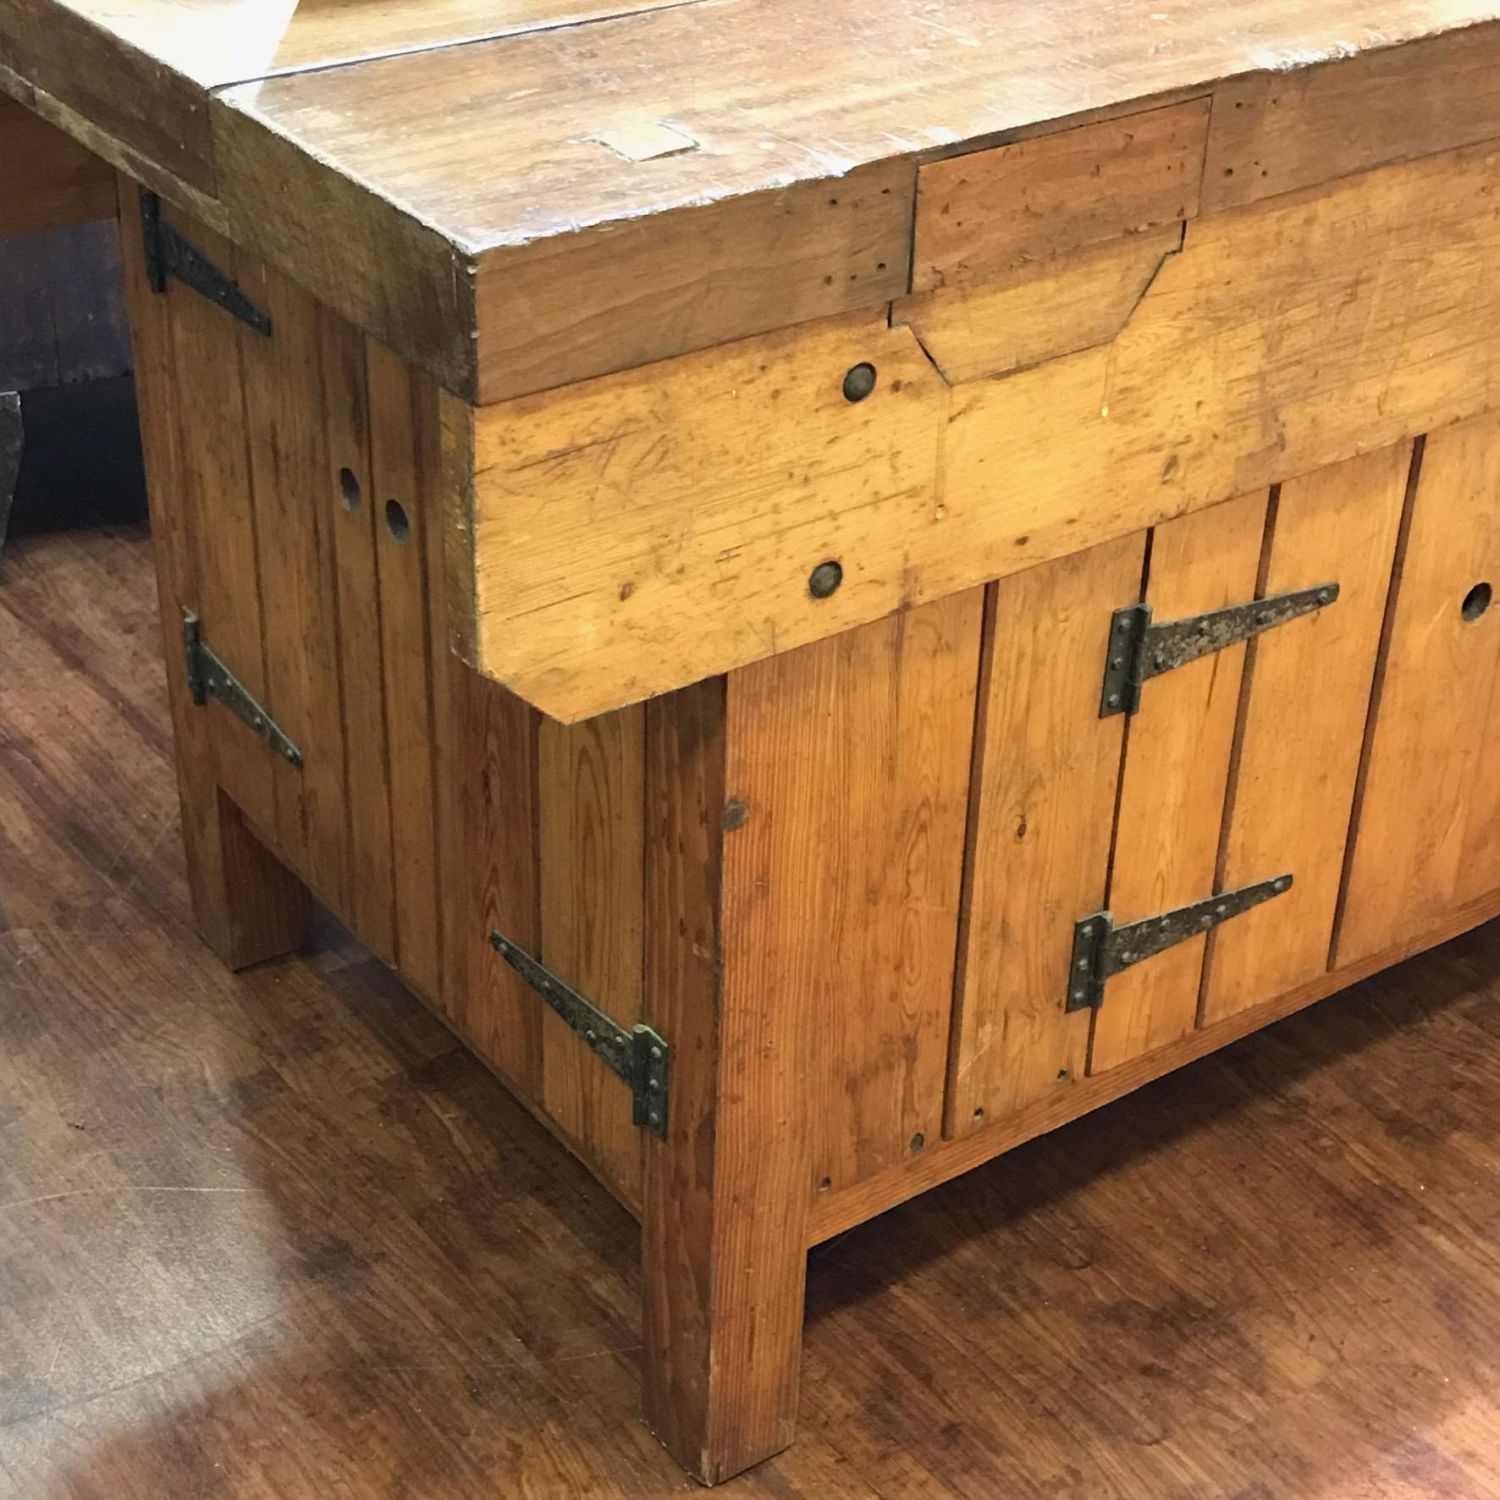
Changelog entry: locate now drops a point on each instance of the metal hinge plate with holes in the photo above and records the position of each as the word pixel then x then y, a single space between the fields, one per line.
pixel 1100 949
pixel 169 252
pixel 1139 650
pixel 208 677
pixel 639 1055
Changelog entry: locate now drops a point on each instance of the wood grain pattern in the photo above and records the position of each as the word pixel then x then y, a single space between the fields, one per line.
pixel 601 512
pixel 1283 338
pixel 857 758
pixel 1009 322
pixel 1302 725
pixel 1177 754
pixel 1425 836
pixel 49 180
pixel 466 1299
pixel 1041 810
pixel 349 501
pixel 216 505
pixel 287 441
pixel 591 841
pixel 494 147
pixel 722 1235
pixel 833 1215
pixel 991 212
pixel 402 535
pixel 1279 131
pixel 246 905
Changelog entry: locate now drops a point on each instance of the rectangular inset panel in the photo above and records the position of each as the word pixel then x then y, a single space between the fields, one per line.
pixel 1427 838
pixel 1302 727
pixel 848 765
pixel 994 211
pixel 1042 811
pixel 1177 755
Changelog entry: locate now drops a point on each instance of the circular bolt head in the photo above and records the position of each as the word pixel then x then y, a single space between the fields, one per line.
pixel 825 579
pixel 859 382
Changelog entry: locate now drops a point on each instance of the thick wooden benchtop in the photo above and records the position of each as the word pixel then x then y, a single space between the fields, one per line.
pixel 523 195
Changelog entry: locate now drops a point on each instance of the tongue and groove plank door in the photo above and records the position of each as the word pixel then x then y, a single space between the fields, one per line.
pixel 1427 839
pixel 1235 768
pixel 1303 724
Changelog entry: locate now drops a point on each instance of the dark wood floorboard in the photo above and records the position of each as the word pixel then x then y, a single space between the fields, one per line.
pixel 277 1236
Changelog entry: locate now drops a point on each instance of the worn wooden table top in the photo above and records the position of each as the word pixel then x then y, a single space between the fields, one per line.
pixel 523 194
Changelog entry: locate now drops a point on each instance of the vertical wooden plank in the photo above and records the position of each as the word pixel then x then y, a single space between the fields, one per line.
pixel 406 655
pixel 1042 810
pixel 293 516
pixel 1302 726
pixel 349 498
pixel 855 767
pixel 724 1227
pixel 592 802
pixel 1425 830
pixel 1176 772
pixel 216 494
pixel 246 905
pixel 488 814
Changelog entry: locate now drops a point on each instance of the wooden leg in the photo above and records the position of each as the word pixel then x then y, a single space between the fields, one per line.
pixel 247 905
pixel 725 1202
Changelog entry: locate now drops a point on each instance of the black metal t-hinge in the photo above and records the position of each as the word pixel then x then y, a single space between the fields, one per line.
pixel 169 252
pixel 639 1055
pixel 1139 650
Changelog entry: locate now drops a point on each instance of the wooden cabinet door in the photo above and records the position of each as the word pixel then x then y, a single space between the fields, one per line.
pixel 1235 768
pixel 1427 839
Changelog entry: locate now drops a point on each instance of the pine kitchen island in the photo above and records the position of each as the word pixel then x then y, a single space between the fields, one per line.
pixel 832 586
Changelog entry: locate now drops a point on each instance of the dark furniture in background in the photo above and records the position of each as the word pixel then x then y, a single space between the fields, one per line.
pixel 69 444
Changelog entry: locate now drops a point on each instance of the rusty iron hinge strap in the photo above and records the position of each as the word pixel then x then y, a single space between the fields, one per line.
pixel 208 677
pixel 639 1055
pixel 1100 949
pixel 169 252
pixel 1139 650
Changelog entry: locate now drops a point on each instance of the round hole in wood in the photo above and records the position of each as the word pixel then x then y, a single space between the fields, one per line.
pixel 396 521
pixel 1476 601
pixel 349 489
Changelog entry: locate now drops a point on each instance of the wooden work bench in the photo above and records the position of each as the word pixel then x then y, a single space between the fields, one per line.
pixel 833 585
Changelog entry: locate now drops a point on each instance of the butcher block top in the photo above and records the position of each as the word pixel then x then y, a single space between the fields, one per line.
pixel 522 195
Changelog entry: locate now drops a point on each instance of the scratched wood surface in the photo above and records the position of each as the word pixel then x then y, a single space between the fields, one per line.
pixel 423 1287
pixel 1282 337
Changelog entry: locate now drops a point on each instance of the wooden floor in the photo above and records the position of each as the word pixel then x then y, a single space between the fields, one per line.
pixel 277 1236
